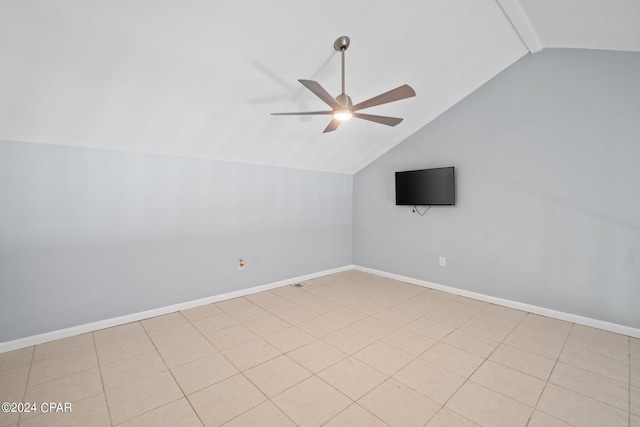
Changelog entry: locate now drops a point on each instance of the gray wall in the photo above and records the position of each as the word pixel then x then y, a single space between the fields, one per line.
pixel 547 158
pixel 87 234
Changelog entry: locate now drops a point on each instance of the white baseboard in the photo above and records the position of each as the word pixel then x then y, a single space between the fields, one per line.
pixel 573 318
pixel 108 323
pixel 134 317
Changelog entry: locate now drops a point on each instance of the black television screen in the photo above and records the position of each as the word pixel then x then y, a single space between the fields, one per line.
pixel 426 187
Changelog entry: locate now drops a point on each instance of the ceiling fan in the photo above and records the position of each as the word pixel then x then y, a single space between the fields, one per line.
pixel 342 108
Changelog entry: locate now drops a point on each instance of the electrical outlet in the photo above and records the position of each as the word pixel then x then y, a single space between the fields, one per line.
pixel 240 264
pixel 443 261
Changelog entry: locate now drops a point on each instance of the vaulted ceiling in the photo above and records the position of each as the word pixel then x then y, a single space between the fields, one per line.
pixel 198 78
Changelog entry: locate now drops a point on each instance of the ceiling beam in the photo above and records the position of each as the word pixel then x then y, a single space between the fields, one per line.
pixel 514 12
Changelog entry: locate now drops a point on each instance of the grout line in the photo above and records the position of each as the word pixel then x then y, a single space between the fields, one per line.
pixel 26 386
pixel 104 391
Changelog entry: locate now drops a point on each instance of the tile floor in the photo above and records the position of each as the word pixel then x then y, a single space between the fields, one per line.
pixel 350 349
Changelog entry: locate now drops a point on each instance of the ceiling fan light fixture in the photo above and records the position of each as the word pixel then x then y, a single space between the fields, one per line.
pixel 342 115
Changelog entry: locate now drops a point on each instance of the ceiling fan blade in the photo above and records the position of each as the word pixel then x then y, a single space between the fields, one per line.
pixel 389 121
pixel 302 113
pixel 402 92
pixel 333 125
pixel 321 93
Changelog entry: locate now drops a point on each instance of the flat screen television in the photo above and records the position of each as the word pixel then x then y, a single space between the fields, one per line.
pixel 426 187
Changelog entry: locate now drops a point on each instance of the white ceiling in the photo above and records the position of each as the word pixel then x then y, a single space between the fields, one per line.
pixel 198 78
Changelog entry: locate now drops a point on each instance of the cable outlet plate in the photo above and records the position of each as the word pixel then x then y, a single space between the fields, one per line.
pixel 443 261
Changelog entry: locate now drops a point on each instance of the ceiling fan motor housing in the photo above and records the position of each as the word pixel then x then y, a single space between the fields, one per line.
pixel 345 101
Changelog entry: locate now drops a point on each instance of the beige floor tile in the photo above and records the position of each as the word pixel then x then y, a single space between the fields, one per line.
pixel 471 343
pixel 60 366
pixel 616 368
pixel 267 325
pixel 429 328
pixel 15 358
pixel 112 351
pixel 177 413
pixel 13 379
pixel 425 303
pixel 320 326
pixel 186 351
pixel 452 359
pixel 270 302
pixel 136 398
pixel 634 348
pixel 173 335
pixel 465 306
pixel 447 418
pixel 296 315
pixel 634 421
pixel 251 353
pixel 579 410
pixel 599 336
pixel 348 340
pixel 634 374
pixel 486 407
pixel 370 307
pixel 540 419
pixel 288 339
pixel 523 361
pixel 409 341
pixel 539 343
pixel 203 373
pixel 234 304
pixel 91 411
pixel 347 315
pixel 9 418
pixel 600 344
pixel 434 382
pixel 63 346
pixel 374 327
pixel 276 375
pixel 311 402
pixel 596 386
pixel 164 321
pixel 229 337
pixel 352 377
pixel 634 400
pixel 132 369
pixel 514 384
pixel 486 330
pixel 548 325
pixel 447 318
pixel 398 405
pixel 70 388
pixel 317 356
pixel 265 414
pixel 296 295
pixel 501 316
pixel 226 400
pixel 117 333
pixel 214 323
pixel 200 312
pixel 396 317
pixel 247 314
pixel 384 357
pixel 355 416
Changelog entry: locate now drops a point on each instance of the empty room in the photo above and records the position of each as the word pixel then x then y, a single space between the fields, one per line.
pixel 287 213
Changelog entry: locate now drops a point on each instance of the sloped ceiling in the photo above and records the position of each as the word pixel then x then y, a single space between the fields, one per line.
pixel 198 78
